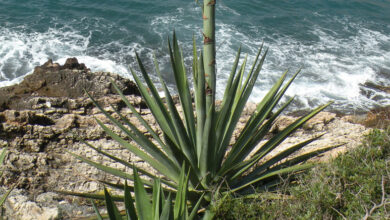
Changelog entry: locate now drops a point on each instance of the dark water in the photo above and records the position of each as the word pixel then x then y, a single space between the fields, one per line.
pixel 340 44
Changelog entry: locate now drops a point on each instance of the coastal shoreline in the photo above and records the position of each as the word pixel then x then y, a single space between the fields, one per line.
pixel 42 117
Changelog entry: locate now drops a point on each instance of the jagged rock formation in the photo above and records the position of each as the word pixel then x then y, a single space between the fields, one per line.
pixel 41 119
pixel 70 80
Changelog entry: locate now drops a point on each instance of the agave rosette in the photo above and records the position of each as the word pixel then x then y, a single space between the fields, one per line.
pixel 199 136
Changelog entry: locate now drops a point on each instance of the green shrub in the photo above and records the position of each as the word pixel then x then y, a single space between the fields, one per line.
pixel 354 185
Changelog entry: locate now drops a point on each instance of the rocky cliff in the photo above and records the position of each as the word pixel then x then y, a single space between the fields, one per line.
pixel 42 117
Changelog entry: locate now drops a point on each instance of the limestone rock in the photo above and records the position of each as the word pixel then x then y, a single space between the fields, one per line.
pixel 19 207
pixel 65 123
pixel 69 80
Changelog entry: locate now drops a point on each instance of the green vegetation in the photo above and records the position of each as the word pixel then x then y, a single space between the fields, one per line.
pixel 2 157
pixel 199 138
pixel 355 185
pixel 157 207
pixel 5 196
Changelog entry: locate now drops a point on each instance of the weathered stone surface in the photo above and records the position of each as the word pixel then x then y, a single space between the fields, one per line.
pixel 46 206
pixel 378 118
pixel 39 131
pixel 38 157
pixel 53 80
pixel 335 131
pixel 24 208
pixel 65 123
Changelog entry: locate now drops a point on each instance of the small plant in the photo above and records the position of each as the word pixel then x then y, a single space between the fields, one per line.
pixel 159 206
pixel 2 157
pixel 5 196
pixel 200 137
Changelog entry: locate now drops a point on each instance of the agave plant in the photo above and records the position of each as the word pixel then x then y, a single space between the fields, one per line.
pixel 159 206
pixel 200 135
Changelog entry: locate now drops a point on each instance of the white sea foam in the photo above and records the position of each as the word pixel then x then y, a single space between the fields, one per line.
pixel 12 81
pixel 100 65
pixel 333 67
pixel 20 52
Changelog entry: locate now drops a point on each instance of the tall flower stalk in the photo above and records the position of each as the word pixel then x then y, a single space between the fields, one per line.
pixel 209 87
pixel 209 42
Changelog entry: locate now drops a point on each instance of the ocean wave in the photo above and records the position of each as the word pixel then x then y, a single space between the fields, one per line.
pixel 21 51
pixel 335 60
pixel 333 67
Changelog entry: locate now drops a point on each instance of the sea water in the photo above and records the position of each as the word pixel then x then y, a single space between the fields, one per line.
pixel 339 44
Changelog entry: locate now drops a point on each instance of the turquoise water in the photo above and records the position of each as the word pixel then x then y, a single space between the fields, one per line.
pixel 340 44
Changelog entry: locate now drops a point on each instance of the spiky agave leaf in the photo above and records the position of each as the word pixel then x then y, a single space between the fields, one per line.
pixel 156 207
